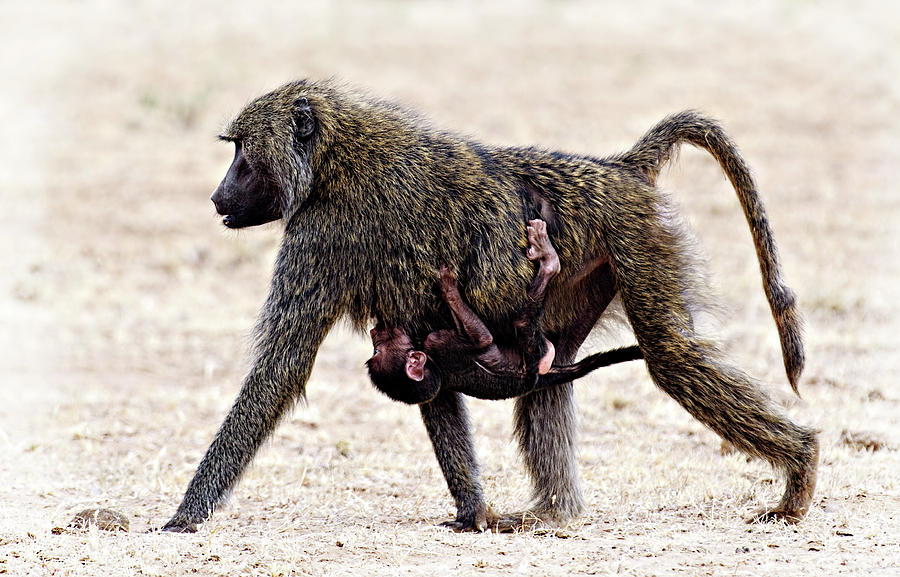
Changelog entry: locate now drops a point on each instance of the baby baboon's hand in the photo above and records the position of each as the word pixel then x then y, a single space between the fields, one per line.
pixel 449 287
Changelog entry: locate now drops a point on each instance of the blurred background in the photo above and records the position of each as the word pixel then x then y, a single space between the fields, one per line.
pixel 125 306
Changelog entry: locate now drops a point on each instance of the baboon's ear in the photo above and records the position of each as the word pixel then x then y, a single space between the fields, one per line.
pixel 415 365
pixel 304 120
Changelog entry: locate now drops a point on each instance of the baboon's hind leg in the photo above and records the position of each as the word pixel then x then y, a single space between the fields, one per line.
pixel 653 268
pixel 734 406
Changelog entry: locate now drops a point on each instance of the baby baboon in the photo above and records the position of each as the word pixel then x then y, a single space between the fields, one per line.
pixel 414 376
pixel 372 198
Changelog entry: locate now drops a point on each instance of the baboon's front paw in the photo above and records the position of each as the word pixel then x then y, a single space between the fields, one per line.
pixel 464 526
pixel 478 524
pixel 180 526
pixel 481 521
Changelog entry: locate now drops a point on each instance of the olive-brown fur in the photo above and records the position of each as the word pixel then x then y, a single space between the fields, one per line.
pixel 371 170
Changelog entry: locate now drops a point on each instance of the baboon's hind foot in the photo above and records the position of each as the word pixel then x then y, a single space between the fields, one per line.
pixel 798 494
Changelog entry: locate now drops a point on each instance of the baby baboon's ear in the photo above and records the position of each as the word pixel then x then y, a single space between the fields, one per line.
pixel 415 365
pixel 304 121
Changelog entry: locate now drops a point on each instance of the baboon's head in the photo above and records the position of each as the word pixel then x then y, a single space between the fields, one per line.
pixel 398 370
pixel 270 176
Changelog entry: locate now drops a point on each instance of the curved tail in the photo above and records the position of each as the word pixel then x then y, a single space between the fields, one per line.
pixel 659 144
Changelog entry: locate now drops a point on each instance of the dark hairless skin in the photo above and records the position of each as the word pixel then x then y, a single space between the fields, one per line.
pixel 413 376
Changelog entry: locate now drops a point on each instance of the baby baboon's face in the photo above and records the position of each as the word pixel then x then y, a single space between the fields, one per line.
pixel 391 346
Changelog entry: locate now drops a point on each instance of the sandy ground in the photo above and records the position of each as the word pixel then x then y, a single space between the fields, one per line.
pixel 125 307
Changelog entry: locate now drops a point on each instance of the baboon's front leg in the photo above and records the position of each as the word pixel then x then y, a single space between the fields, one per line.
pixel 290 331
pixel 255 412
pixel 447 421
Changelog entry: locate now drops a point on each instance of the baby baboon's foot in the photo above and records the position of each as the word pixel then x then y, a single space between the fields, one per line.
pixel 540 248
pixel 546 361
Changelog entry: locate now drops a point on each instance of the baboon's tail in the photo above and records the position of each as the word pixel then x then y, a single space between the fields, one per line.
pixel 657 147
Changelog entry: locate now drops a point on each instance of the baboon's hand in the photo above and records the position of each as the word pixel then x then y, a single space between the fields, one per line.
pixel 178 524
pixel 189 528
pixel 465 527
pixel 478 523
pixel 448 282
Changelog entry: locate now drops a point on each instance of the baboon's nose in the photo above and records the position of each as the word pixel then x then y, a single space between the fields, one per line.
pixel 216 198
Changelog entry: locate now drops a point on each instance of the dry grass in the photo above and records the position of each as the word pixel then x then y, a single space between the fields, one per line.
pixel 125 308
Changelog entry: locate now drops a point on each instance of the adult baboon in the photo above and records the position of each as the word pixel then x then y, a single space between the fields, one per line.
pixel 373 199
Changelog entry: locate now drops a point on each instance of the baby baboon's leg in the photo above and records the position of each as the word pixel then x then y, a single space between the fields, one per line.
pixel 537 352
